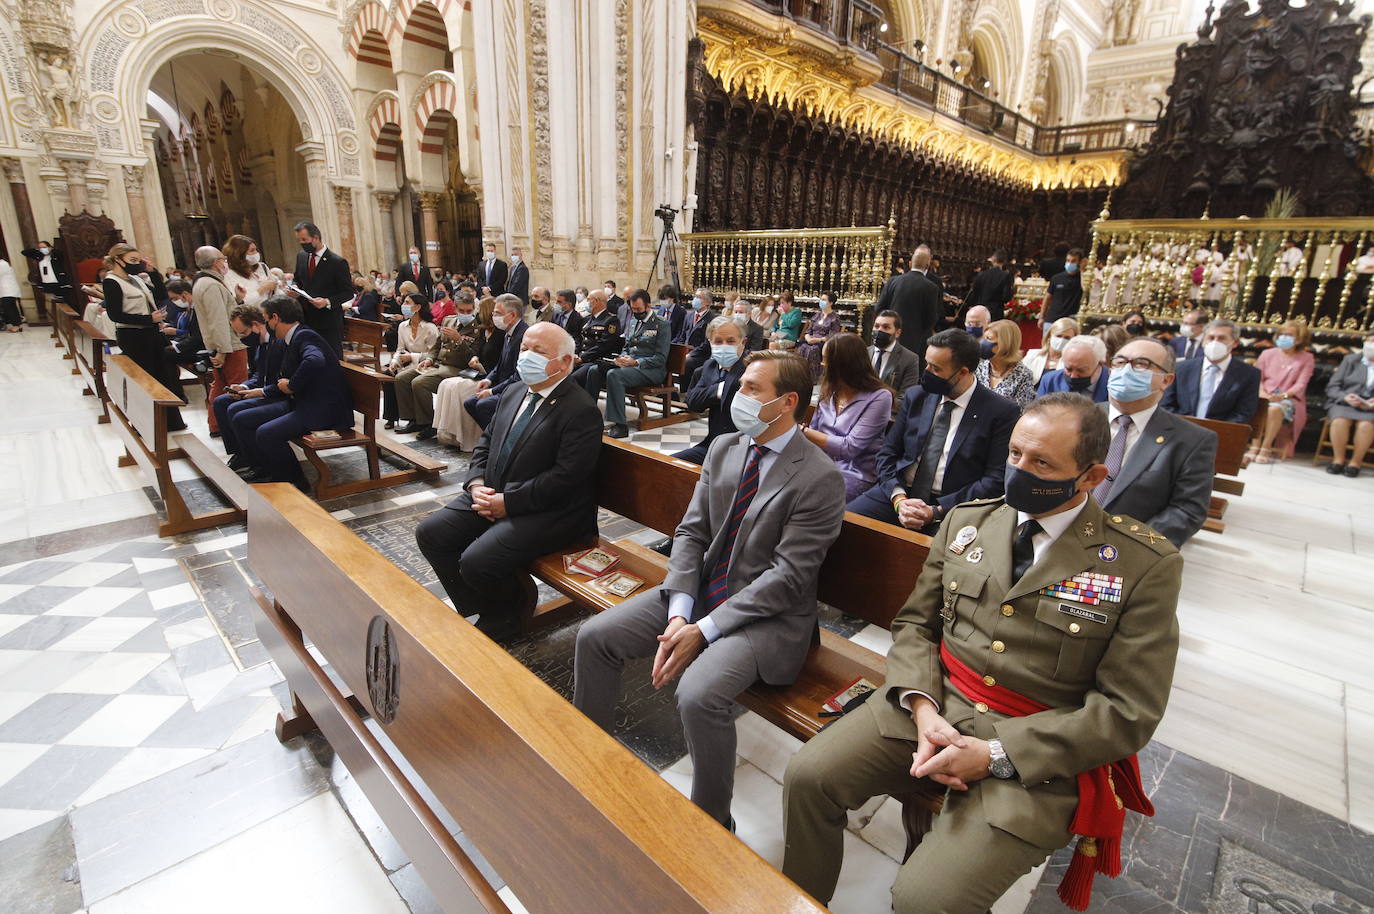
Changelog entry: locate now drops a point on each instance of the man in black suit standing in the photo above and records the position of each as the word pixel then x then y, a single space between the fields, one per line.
pixel 518 282
pixel 527 491
pixel 491 273
pixel 916 299
pixel 992 288
pixel 414 271
pixel 948 445
pixel 324 278
pixel 509 316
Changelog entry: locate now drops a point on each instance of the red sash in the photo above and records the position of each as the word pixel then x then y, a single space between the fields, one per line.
pixel 1104 793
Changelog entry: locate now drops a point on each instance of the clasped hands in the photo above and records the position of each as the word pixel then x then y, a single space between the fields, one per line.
pixel 943 754
pixel 488 502
pixel 678 646
pixel 914 513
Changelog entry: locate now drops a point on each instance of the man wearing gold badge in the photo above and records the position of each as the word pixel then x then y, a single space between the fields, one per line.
pixel 1031 662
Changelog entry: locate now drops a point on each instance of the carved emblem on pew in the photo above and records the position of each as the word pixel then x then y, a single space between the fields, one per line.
pixel 383 670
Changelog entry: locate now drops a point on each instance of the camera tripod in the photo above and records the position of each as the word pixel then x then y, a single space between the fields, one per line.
pixel 667 243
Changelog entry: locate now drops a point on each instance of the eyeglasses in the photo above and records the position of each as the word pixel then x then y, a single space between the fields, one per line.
pixel 1140 363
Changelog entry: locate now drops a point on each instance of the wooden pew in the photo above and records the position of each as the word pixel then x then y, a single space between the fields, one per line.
pixel 1233 439
pixel 64 316
pixel 88 345
pixel 365 385
pixel 364 335
pixel 138 407
pixel 570 819
pixel 672 409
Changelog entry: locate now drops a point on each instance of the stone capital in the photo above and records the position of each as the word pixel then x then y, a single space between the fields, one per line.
pixel 75 169
pixel 133 179
pixel 429 200
pixel 343 198
pixel 13 169
pixel 385 199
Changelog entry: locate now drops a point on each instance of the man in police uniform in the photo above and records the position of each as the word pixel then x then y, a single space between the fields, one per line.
pixel 1039 600
pixel 644 362
pixel 600 337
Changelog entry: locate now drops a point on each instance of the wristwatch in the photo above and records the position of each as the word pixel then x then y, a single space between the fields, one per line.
pixel 999 766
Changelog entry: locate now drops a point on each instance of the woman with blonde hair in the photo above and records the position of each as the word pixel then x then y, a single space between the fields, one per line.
pixel 1046 358
pixel 1000 369
pixel 247 278
pixel 132 289
pixel 1285 371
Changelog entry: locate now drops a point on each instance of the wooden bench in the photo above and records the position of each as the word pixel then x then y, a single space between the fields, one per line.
pixel 1233 439
pixel 365 385
pixel 366 341
pixel 672 409
pixel 138 408
pixel 63 317
pixel 570 818
pixel 654 490
pixel 88 345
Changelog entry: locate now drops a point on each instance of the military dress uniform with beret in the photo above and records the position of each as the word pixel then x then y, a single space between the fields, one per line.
pixel 1089 631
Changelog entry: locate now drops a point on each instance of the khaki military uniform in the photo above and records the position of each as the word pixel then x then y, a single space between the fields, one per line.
pixel 415 388
pixel 1103 664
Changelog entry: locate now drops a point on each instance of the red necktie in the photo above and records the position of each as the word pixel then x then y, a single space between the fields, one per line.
pixel 313 259
pixel 718 588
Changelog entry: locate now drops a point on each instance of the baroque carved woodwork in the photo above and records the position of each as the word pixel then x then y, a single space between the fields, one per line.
pixel 1262 99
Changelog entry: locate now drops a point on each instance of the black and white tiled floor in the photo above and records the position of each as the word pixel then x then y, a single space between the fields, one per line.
pixel 139 773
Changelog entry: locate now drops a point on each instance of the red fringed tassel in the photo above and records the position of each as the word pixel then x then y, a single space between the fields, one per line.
pixel 1076 888
pixel 1109 857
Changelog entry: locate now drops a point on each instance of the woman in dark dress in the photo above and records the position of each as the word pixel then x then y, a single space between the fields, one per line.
pixel 132 289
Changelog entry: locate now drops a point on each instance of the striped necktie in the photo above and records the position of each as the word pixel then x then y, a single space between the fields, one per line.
pixel 718 588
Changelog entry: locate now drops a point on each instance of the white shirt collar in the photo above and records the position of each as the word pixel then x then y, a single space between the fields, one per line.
pixel 777 444
pixel 962 400
pixel 1222 365
pixel 1055 524
pixel 887 348
pixel 286 340
pixel 1139 420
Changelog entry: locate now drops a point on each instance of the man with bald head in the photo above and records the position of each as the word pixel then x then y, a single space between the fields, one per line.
pixel 528 490
pixel 976 320
pixel 1159 465
pixel 916 300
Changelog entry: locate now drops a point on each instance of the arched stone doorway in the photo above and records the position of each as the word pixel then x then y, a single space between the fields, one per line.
pixel 450 217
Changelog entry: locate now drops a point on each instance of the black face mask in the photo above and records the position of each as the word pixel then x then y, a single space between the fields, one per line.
pixel 1135 329
pixel 987 348
pixel 933 384
pixel 1036 495
pixel 639 315
pixel 308 247
pixel 135 267
pixel 1080 385
pixel 882 339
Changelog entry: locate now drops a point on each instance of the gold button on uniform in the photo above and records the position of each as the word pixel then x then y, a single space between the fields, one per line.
pixel 1116 518
pixel 981 708
pixel 1073 627
pixel 1007 609
pixel 953 585
pixel 998 647
pixel 989 681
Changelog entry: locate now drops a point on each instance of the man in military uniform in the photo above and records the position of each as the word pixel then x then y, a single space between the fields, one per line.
pixel 644 362
pixel 459 341
pixel 601 340
pixel 1032 660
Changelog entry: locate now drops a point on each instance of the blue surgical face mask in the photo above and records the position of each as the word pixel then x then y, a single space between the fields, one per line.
pixel 974 331
pixel 465 319
pixel 1285 341
pixel 1036 495
pixel 725 354
pixel 1126 385
pixel 1070 268
pixel 698 304
pixel 532 367
pixel 825 305
pixel 407 311
pixel 744 412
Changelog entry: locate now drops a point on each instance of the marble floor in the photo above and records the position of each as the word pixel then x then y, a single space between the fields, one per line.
pixel 139 773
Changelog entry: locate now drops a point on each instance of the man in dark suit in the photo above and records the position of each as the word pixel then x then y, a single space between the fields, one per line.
pixel 715 384
pixel 601 339
pixel 948 445
pixel 415 271
pixel 1188 343
pixel 613 301
pixel 258 392
pixel 1216 386
pixel 693 330
pixel 566 315
pixel 916 299
pixel 1159 466
pixel 754 336
pixel 754 340
pixel 1083 370
pixel 324 278
pixel 491 272
pixel 670 309
pixel 518 281
pixel 992 288
pixel 1065 291
pixel 897 366
pixel 312 380
pixel 508 315
pixel 527 491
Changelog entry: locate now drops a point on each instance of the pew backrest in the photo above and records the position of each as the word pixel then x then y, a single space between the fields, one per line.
pixel 141 398
pixel 1232 440
pixel 365 387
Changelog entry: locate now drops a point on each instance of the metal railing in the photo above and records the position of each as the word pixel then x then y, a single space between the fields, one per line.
pixel 1238 268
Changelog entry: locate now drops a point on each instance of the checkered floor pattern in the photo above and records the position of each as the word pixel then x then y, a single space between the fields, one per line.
pixel 111 673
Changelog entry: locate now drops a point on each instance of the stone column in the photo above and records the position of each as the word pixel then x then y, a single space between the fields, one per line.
pixel 348 238
pixel 386 200
pixel 322 206
pixel 138 206
pixel 28 231
pixel 77 198
pixel 429 221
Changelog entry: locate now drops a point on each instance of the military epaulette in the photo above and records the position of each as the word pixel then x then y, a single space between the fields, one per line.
pixel 1142 532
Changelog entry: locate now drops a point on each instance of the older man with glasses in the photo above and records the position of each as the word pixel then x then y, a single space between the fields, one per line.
pixel 1159 465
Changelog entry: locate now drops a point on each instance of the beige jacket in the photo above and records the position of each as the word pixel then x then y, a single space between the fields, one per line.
pixel 214 303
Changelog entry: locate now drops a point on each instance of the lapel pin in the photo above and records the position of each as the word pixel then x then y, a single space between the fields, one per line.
pixel 1159 440
pixel 962 539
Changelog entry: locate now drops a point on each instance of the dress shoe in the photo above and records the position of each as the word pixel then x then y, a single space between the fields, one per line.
pixel 389 424
pixel 1352 470
pixel 425 433
pixel 619 431
pixel 214 434
pixel 237 463
pixel 1335 469
pixel 498 627
pixel 407 428
pixel 253 474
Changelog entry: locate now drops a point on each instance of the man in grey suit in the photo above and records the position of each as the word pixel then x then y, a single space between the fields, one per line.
pixel 1159 466
pixel 739 600
pixel 897 366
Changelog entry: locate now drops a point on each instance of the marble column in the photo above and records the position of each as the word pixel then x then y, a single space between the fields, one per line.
pixel 386 201
pixel 138 206
pixel 28 231
pixel 75 169
pixel 429 221
pixel 348 240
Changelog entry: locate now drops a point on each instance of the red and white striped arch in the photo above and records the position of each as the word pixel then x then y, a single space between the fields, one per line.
pixel 385 125
pixel 371 18
pixel 423 22
pixel 434 112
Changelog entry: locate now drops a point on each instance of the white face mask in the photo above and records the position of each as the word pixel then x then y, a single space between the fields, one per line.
pixel 1057 343
pixel 515 258
pixel 414 257
pixel 489 255
pixel 581 297
pixel 610 291
pixel 1216 350
pixel 1369 351
pixel 253 259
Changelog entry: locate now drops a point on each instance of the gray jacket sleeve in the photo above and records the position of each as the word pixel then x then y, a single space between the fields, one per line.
pixel 1192 496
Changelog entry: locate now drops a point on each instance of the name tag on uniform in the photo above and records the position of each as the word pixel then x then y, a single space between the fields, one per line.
pixel 1089 587
pixel 1081 613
